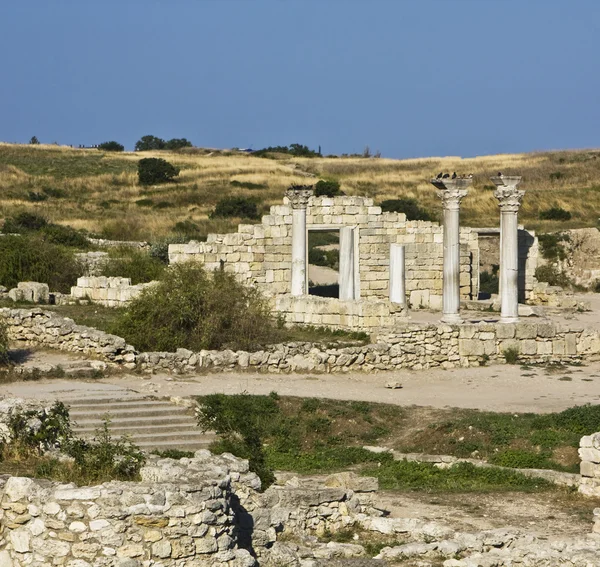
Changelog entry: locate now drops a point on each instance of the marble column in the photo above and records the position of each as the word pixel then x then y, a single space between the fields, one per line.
pixel 451 192
pixel 397 274
pixel 509 198
pixel 346 274
pixel 298 196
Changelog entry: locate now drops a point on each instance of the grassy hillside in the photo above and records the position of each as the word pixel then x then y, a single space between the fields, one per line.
pixel 98 191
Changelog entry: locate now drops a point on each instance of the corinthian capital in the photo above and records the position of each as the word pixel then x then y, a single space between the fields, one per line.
pixel 509 197
pixel 452 191
pixel 298 195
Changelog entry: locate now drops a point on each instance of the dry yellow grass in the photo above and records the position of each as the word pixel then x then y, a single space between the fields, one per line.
pixel 98 191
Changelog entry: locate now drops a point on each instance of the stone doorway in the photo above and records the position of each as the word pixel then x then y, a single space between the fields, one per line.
pixel 332 259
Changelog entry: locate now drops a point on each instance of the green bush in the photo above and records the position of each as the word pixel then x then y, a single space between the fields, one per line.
pixel 408 206
pixel 188 230
pixel 52 427
pixel 147 143
pixel 240 420
pixel 4 358
pixel 111 146
pixel 555 213
pixel 36 197
pixel 156 170
pixel 28 223
pixel 522 459
pixel 248 184
pixel 511 355
pixel 127 262
pixel 192 308
pixel 24 222
pixel 177 144
pixel 106 457
pixel 328 258
pixel 552 276
pixel 552 245
pixel 34 141
pixel 327 189
pixel 242 207
pixel 489 283
pixel 298 150
pixel 30 258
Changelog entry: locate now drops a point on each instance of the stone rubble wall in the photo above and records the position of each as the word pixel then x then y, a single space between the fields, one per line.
pixel 45 328
pixel 261 254
pixel 34 292
pixel 555 296
pixel 408 345
pixel 104 243
pixel 205 510
pixel 107 291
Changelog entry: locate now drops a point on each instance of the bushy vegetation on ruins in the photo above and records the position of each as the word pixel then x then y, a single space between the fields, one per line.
pixel 237 207
pixel 409 207
pixel 4 356
pixel 192 308
pixel 139 266
pixel 102 459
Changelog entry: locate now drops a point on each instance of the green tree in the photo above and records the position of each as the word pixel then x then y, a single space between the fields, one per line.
pixel 177 144
pixel 156 170
pixel 408 206
pixel 146 143
pixel 242 207
pixel 34 140
pixel 111 146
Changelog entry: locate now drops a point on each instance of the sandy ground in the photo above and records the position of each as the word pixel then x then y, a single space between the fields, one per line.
pixel 322 275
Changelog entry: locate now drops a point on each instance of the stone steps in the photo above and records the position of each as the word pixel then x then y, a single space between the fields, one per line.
pixel 149 423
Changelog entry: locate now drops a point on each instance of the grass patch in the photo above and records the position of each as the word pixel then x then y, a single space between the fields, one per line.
pixel 461 477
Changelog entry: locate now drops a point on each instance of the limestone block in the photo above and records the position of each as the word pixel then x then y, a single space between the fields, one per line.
pixel 506 331
pixel 16 294
pixel 558 347
pixel 34 291
pixel 589 454
pixel 571 344
pixel 544 347
pixel 528 347
pixel 526 331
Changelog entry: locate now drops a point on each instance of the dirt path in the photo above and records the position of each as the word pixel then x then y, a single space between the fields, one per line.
pixel 496 388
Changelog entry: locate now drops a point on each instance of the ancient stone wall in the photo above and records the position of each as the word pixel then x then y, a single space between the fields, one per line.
pixel 408 345
pixel 261 254
pixel 589 453
pixel 107 291
pixel 38 327
pixel 205 510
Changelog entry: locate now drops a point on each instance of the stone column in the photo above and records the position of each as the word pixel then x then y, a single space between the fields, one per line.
pixel 397 274
pixel 346 275
pixel 510 199
pixel 451 192
pixel 298 197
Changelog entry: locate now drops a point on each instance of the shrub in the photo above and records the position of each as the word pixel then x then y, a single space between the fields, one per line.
pixel 147 143
pixel 408 206
pixel 489 283
pixel 30 258
pixel 41 430
pixel 188 230
pixel 194 309
pixel 511 355
pixel 65 235
pixel 327 189
pixel 4 358
pixel 242 207
pixel 36 197
pixel 111 146
pixel 240 420
pixel 156 170
pixel 552 247
pixel 555 213
pixel 34 141
pixel 556 175
pixel 24 222
pixel 552 276
pixel 106 457
pixel 177 144
pixel 132 263
pixel 293 149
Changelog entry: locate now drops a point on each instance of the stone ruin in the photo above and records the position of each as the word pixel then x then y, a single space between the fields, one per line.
pixel 386 262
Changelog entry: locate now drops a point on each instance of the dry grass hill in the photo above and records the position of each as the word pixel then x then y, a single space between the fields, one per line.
pixel 98 191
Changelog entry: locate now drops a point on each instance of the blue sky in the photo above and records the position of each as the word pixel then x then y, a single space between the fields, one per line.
pixel 407 77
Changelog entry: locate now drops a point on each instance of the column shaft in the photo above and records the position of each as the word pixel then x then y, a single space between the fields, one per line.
pixel 299 251
pixel 397 274
pixel 346 275
pixel 451 273
pixel 509 267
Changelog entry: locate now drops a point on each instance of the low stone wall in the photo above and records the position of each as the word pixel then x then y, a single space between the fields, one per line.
pixel 363 315
pixel 92 263
pixel 204 510
pixel 104 243
pixel 38 327
pixel 110 292
pixel 408 345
